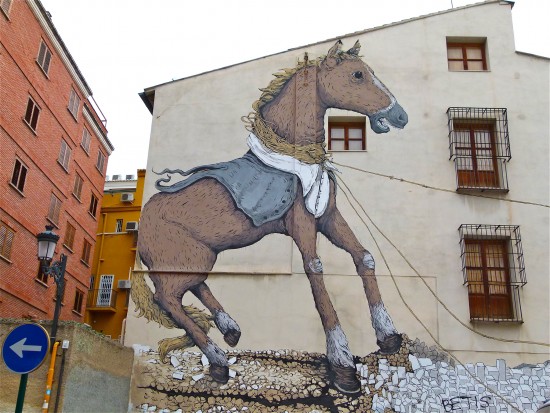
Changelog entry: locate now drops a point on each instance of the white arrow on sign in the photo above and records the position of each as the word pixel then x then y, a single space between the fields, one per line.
pixel 19 347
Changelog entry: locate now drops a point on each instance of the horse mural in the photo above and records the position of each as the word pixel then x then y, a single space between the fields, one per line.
pixel 286 185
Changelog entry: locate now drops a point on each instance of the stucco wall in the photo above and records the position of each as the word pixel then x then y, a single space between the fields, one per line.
pixel 96 377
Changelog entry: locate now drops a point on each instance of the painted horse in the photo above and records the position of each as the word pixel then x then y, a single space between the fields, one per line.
pixel 183 230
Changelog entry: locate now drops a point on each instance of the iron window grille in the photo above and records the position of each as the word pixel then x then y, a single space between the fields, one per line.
pixel 479 145
pixel 493 268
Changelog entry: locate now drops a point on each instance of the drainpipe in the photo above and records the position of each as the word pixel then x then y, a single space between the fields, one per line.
pixel 61 370
pixel 49 380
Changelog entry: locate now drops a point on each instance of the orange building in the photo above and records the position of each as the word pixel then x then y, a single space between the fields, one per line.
pixel 115 254
pixel 54 157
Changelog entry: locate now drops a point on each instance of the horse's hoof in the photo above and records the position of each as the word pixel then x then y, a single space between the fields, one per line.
pixel 345 379
pixel 390 345
pixel 219 373
pixel 232 337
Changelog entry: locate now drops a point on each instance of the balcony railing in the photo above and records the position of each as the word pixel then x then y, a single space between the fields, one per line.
pixel 102 298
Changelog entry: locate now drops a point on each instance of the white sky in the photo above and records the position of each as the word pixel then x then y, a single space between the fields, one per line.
pixel 125 46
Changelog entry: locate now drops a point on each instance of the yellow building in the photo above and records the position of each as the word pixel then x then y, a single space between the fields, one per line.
pixel 115 254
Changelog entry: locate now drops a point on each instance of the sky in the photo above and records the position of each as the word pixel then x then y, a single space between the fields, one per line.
pixel 125 46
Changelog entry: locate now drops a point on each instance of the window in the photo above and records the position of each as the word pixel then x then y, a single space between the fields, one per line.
pixel 41 276
pixel 74 103
pixel 480 148
pixel 64 155
pixel 78 299
pixel 44 57
pixel 31 115
pixel 93 205
pixel 5 6
pixel 466 55
pixel 86 249
pixel 6 240
pixel 346 136
pixel 86 138
pixel 55 208
pixel 118 226
pixel 105 291
pixel 77 189
pixel 493 268
pixel 70 231
pixel 100 162
pixel 19 175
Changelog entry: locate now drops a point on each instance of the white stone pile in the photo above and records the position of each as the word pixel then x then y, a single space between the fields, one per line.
pixel 439 387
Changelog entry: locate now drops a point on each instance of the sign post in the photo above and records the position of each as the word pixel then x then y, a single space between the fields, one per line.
pixel 23 351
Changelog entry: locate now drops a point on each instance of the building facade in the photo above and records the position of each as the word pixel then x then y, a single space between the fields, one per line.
pixel 451 203
pixel 115 254
pixel 54 157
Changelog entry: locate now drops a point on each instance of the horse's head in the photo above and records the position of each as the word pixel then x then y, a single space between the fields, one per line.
pixel 346 82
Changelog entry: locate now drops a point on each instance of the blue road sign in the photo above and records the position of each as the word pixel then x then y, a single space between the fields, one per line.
pixel 25 348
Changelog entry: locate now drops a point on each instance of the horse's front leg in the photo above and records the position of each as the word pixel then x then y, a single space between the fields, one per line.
pixel 301 227
pixel 337 230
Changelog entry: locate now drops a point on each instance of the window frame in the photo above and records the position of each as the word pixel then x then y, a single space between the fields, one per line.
pixel 6 10
pixel 464 46
pixel 70 234
pixel 77 187
pixel 46 58
pixel 32 114
pixel 54 210
pixel 7 237
pixel 347 125
pixel 119 225
pixel 94 201
pixel 41 276
pixel 19 176
pixel 86 140
pixel 78 301
pixel 100 163
pixel 86 252
pixel 64 156
pixel 74 103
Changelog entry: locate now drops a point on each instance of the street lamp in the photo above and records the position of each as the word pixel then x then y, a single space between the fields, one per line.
pixel 47 241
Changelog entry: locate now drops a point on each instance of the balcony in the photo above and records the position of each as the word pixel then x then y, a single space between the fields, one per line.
pixel 102 299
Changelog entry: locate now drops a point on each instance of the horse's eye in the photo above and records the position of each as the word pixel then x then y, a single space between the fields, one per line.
pixel 357 75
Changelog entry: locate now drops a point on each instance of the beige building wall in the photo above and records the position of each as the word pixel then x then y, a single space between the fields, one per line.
pixel 196 121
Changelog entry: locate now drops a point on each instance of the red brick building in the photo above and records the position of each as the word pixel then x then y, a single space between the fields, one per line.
pixel 54 152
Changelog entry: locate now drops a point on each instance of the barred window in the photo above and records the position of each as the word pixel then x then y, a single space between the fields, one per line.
pixel 493 269
pixel 44 57
pixel 6 240
pixel 480 147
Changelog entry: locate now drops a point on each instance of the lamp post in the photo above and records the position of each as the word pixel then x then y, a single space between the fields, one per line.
pixel 47 241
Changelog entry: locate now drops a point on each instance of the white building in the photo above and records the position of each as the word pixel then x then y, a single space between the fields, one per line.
pixel 459 196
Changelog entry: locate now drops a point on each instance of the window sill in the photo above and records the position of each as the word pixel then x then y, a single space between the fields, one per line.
pixel 42 69
pixel 87 152
pixel 99 170
pixel 347 150
pixel 482 189
pixel 68 248
pixel 30 127
pixel 66 169
pixel 76 197
pixel 75 117
pixel 6 259
pixel 85 263
pixel 77 313
pixel 55 224
pixel 42 283
pixel 469 71
pixel 17 190
pixel 93 216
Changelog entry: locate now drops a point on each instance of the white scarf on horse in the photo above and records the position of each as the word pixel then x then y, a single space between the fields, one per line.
pixel 313 177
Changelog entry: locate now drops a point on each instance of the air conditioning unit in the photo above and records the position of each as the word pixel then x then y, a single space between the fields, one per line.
pixel 124 284
pixel 131 226
pixel 117 177
pixel 127 197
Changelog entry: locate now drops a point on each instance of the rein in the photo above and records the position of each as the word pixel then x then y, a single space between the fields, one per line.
pixel 313 153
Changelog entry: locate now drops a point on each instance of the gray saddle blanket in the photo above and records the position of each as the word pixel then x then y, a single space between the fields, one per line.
pixel 263 193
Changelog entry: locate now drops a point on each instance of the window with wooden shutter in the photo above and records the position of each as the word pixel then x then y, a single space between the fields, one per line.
pixel 70 232
pixel 64 155
pixel 86 139
pixel 74 103
pixel 44 57
pixel 6 240
pixel 493 270
pixel 54 210
pixel 5 6
pixel 77 188
pixel 86 250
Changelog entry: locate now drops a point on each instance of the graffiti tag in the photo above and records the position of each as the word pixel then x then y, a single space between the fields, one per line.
pixel 460 403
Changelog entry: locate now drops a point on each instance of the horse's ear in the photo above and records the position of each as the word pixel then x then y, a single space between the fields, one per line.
pixel 354 51
pixel 333 56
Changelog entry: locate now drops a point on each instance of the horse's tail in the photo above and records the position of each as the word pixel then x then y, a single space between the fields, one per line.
pixel 146 307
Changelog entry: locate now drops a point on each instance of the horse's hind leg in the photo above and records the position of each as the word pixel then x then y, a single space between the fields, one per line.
pixel 227 326
pixel 169 290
